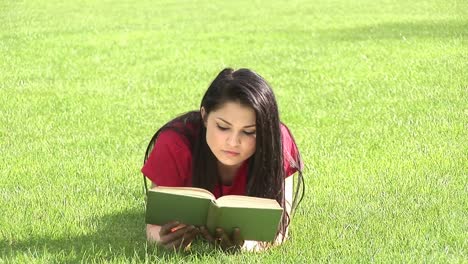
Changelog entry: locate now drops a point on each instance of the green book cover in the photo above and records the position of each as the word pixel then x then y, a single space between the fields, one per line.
pixel 257 218
pixel 165 204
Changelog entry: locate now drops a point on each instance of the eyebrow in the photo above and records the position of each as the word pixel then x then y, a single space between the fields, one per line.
pixel 231 124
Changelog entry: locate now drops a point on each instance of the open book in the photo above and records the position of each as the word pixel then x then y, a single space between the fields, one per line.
pixel 257 218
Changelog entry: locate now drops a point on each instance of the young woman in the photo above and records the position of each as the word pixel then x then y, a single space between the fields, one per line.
pixel 235 144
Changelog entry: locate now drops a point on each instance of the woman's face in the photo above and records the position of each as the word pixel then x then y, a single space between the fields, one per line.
pixel 230 133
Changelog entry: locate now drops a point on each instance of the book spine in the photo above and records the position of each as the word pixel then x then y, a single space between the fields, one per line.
pixel 212 217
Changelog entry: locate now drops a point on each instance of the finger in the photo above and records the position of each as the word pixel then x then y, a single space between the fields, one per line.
pixel 224 238
pixel 237 237
pixel 195 232
pixel 189 237
pixel 166 229
pixel 182 241
pixel 173 236
pixel 191 234
pixel 177 227
pixel 173 245
pixel 206 235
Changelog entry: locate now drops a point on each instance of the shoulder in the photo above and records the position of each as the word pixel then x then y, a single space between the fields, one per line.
pixel 169 163
pixel 177 135
pixel 291 156
pixel 286 136
pixel 171 137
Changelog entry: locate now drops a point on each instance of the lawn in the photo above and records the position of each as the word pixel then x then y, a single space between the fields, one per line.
pixel 375 93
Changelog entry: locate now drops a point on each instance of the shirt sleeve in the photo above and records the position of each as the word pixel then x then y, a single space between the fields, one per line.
pixel 291 160
pixel 169 163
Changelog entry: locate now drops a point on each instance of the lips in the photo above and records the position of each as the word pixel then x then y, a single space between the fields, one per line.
pixel 231 153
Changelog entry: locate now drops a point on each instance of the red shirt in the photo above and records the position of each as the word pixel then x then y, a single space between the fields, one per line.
pixel 170 163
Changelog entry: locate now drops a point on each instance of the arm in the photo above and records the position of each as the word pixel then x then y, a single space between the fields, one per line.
pixel 288 195
pixel 251 245
pixel 169 165
pixel 172 235
pixel 152 231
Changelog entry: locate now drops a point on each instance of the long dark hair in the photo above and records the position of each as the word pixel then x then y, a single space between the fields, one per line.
pixel 266 173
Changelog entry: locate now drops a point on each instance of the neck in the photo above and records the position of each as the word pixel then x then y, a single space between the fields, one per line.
pixel 227 173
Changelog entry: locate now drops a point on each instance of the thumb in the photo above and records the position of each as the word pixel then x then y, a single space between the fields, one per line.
pixel 206 234
pixel 237 237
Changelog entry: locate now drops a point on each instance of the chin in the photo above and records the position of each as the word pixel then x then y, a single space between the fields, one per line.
pixel 228 162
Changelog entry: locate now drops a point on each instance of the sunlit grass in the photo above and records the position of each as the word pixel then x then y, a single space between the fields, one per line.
pixel 374 92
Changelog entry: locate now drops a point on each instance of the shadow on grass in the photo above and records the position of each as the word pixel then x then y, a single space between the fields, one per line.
pixel 399 30
pixel 119 236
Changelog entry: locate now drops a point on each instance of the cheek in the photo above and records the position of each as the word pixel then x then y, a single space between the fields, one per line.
pixel 250 145
pixel 213 137
pixel 209 138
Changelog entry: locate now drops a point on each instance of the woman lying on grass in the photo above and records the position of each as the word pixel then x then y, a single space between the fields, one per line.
pixel 235 144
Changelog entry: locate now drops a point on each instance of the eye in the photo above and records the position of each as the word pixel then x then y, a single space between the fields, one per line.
pixel 249 133
pixel 221 127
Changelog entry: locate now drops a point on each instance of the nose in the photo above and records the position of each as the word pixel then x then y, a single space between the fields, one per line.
pixel 233 140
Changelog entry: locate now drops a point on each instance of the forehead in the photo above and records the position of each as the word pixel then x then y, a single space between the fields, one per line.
pixel 235 113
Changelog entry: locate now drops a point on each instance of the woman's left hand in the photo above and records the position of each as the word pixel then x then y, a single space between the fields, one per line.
pixel 222 239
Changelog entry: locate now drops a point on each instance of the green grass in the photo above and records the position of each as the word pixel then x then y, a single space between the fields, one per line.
pixel 375 93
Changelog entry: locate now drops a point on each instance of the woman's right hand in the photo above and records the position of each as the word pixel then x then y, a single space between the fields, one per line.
pixel 173 235
pixel 231 243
